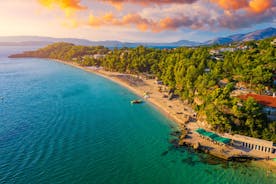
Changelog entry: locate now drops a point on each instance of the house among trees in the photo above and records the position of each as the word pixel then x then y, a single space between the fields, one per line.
pixel 98 56
pixel 207 70
pixel 243 47
pixel 274 42
pixel 268 102
pixel 214 52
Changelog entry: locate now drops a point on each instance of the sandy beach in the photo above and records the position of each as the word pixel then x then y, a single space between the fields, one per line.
pixel 182 114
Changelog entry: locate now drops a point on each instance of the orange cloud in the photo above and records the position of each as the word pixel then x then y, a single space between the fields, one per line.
pixel 259 6
pixel 119 3
pixel 231 4
pixel 68 6
pixel 144 24
pixel 110 20
pixel 236 14
pixel 254 6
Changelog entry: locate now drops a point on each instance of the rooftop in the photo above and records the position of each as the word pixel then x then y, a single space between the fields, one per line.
pixel 213 136
pixel 265 100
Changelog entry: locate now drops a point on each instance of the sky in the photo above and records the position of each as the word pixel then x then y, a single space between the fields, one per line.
pixel 135 20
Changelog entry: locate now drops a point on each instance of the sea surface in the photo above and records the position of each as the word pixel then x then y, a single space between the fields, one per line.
pixel 59 124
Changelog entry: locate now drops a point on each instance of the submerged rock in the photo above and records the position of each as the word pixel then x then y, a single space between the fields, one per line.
pixel 175 133
pixel 165 153
pixel 189 160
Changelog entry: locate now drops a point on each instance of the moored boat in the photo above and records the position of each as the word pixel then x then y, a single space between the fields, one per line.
pixel 136 101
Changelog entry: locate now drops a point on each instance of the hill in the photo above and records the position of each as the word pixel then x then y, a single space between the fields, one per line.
pixel 255 35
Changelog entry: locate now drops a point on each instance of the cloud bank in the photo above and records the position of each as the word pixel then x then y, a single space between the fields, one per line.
pixel 163 15
pixel 148 2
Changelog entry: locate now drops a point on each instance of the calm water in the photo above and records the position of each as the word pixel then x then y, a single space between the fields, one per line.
pixel 59 124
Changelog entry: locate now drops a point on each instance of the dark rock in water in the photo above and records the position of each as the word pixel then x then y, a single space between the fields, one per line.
pixel 225 166
pixel 208 171
pixel 189 161
pixel 176 146
pixel 175 133
pixel 191 150
pixel 242 158
pixel 165 153
pixel 181 142
pixel 171 126
pixel 174 142
pixel 170 148
pixel 211 160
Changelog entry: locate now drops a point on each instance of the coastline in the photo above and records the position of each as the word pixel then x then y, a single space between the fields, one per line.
pixel 138 90
pixel 177 111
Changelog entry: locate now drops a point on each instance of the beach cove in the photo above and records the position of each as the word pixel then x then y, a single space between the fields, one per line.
pixel 182 114
pixel 141 153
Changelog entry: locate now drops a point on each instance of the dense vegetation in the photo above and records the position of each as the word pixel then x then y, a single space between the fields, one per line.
pixel 204 80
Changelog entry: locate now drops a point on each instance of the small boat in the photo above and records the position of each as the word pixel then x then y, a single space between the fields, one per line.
pixel 136 101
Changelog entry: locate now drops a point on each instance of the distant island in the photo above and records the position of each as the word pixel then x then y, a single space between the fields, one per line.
pixel 214 80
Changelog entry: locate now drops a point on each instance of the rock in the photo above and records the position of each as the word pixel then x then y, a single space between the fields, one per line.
pixel 175 133
pixel 196 145
pixel 165 153
pixel 182 136
pixel 181 142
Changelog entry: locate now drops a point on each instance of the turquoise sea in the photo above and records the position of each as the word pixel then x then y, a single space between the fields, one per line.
pixel 59 124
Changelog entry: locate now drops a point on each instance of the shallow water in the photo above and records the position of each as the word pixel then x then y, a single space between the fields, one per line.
pixel 59 124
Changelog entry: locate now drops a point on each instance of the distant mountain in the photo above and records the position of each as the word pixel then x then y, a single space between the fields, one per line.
pixel 256 35
pixel 26 43
pixel 173 44
pixel 39 40
pixel 43 41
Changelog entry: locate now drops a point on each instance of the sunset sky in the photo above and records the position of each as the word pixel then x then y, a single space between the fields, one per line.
pixel 135 20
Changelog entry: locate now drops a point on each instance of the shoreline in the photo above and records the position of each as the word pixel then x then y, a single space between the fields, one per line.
pixel 180 113
pixel 110 76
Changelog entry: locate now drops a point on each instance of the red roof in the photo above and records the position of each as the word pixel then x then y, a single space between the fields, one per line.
pixel 265 100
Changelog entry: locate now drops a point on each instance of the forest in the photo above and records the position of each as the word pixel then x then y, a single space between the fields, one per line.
pixel 204 76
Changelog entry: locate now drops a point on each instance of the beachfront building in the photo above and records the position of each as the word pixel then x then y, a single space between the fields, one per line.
pixel 254 144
